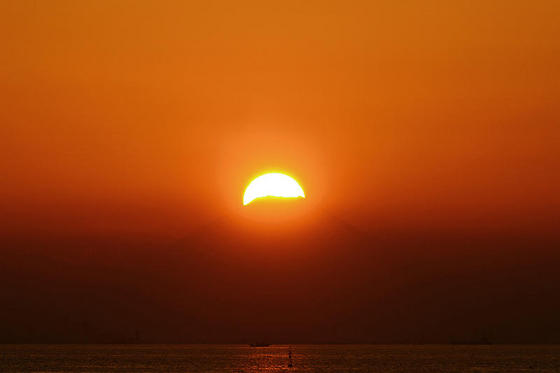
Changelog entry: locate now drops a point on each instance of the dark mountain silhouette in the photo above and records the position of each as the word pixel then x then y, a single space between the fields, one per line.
pixel 239 279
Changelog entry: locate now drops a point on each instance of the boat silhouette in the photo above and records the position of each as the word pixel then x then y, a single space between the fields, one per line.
pixel 259 344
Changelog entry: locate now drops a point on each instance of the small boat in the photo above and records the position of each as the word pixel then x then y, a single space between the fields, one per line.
pixel 259 344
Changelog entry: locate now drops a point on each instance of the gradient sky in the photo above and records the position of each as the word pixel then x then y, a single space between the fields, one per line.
pixel 432 124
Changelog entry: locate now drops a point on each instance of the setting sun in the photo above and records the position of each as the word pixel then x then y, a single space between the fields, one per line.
pixel 272 185
pixel 325 186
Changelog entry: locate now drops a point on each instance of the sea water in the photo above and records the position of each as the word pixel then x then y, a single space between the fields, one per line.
pixel 304 358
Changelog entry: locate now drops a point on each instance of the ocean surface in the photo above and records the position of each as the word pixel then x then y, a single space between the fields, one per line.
pixel 305 358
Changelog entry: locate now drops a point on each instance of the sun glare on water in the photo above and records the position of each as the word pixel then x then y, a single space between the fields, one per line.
pixel 272 185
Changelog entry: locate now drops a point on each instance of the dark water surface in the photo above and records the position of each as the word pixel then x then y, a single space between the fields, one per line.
pixel 305 358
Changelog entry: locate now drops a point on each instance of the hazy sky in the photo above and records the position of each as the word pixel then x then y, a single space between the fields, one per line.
pixel 148 118
pixel 396 109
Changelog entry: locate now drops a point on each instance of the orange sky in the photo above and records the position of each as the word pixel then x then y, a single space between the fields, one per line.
pixel 154 115
pixel 426 135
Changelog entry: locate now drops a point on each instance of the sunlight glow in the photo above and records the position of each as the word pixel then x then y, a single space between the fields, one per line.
pixel 272 185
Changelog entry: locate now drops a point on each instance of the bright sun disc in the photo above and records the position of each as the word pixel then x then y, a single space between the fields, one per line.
pixel 272 185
